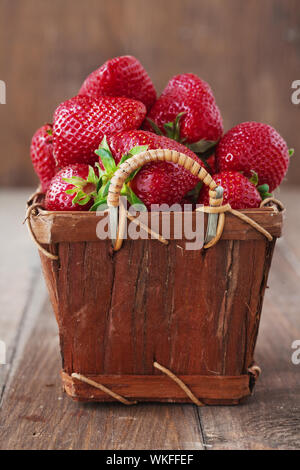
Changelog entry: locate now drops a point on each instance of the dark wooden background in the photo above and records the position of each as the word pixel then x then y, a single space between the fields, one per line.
pixel 249 51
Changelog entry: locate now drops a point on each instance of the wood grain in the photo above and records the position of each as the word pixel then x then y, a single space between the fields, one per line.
pixel 149 387
pixel 50 227
pixel 118 313
pixel 35 414
pixel 48 48
pixel 271 420
pixel 17 275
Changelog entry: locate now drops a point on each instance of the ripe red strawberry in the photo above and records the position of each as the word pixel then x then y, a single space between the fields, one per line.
pixel 239 192
pixel 191 101
pixel 254 146
pixel 81 123
pixel 159 182
pixel 41 152
pixel 57 199
pixel 121 76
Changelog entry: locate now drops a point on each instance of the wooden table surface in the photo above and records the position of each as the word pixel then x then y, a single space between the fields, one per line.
pixel 35 414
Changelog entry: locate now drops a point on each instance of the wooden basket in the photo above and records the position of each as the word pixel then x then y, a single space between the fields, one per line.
pixel 153 321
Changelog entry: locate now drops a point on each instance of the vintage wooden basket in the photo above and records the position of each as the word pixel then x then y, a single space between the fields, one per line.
pixel 151 321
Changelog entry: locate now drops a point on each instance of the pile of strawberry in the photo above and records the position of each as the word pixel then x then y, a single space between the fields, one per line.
pixel 117 114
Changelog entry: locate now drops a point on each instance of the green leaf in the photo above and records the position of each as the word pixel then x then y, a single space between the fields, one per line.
pixel 133 199
pixel 138 149
pixel 124 158
pixel 173 128
pixel 107 160
pixel 75 180
pixel 71 191
pixel 134 151
pixel 104 189
pixel 104 144
pixel 133 174
pixel 170 129
pixel 98 203
pixel 177 126
pixel 263 190
pixel 92 178
pixel 84 201
pixel 254 178
pixel 49 132
pixel 291 152
pixel 154 126
pixel 263 187
pixel 106 157
pixel 78 196
pixel 202 146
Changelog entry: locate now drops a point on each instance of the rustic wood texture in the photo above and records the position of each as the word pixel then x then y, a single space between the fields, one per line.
pixel 35 414
pixel 247 51
pixel 120 312
pixel 148 387
pixel 50 227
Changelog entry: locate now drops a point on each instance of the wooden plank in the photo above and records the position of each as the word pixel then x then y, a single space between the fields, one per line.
pixel 270 420
pixel 50 227
pixel 149 387
pixel 118 314
pixel 37 415
pixel 19 269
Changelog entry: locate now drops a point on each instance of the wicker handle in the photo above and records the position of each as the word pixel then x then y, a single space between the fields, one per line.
pixel 133 163
pixel 143 158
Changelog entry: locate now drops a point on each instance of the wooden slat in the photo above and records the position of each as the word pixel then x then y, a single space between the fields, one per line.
pixel 74 227
pixel 37 415
pixel 148 388
pixel 19 268
pixel 270 420
pixel 118 314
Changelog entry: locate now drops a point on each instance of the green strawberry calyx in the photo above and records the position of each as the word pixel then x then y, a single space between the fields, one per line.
pixel 263 189
pixel 95 187
pixel 110 167
pixel 203 147
pixel 84 189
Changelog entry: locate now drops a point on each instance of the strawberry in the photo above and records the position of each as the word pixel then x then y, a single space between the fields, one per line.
pixel 121 76
pixel 81 123
pixel 187 112
pixel 239 192
pixel 253 146
pixel 159 182
pixel 41 152
pixel 72 189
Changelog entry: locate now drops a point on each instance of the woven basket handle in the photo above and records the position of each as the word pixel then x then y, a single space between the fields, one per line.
pixel 141 159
